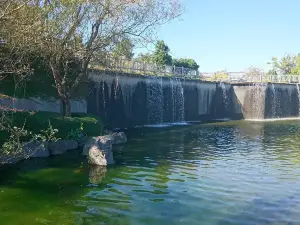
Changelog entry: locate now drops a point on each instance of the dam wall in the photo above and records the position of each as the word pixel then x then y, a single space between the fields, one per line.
pixel 268 101
pixel 124 100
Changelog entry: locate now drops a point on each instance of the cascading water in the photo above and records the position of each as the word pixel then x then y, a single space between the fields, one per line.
pixel 257 90
pixel 155 100
pixel 273 109
pixel 103 97
pixel 298 92
pixel 177 100
pixel 224 95
pixel 116 88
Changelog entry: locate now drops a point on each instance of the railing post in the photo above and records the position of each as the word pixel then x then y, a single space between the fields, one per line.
pixel 182 71
pixel 260 77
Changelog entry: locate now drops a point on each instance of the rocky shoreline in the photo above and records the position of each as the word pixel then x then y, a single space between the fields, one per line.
pixel 97 149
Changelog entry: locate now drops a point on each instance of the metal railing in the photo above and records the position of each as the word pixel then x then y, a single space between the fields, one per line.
pixel 267 78
pixel 138 67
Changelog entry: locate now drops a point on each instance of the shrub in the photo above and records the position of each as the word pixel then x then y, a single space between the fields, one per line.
pixel 37 121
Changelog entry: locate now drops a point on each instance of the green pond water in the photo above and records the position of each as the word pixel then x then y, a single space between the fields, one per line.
pixel 216 174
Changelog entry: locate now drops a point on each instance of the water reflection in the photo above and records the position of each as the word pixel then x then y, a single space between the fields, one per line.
pixel 96 174
pixel 217 173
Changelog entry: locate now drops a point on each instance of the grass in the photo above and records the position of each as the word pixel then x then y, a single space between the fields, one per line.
pixel 35 122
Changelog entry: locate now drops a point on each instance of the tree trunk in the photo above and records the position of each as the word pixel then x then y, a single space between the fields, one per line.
pixel 62 90
pixel 66 107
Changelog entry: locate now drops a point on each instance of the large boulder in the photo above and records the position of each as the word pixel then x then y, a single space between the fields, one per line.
pixel 61 146
pixel 103 144
pixel 96 157
pixel 36 149
pixel 118 138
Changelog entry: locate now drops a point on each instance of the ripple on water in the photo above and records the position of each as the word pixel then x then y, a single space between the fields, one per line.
pixel 225 173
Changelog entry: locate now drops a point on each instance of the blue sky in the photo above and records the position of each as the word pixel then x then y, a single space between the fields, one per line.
pixel 234 34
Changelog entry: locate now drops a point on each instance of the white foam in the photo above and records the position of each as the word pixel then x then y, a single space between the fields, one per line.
pixel 273 119
pixel 157 125
pixel 166 125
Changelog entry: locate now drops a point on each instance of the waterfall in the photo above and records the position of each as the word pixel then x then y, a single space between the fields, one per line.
pixel 258 100
pixel 224 95
pixel 298 92
pixel 155 100
pixel 177 100
pixel 290 89
pixel 273 110
pixel 206 93
pixel 103 97
pixel 116 88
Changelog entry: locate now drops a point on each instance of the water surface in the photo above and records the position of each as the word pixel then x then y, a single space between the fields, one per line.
pixel 212 174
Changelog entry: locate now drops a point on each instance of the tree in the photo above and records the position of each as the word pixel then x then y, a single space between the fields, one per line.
pixel 147 58
pixel 124 49
pixel 220 76
pixel 18 30
pixel 187 63
pixel 285 65
pixel 296 69
pixel 161 54
pixel 71 32
pixel 254 73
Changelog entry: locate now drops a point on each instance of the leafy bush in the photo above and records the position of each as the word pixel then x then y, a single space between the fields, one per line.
pixel 46 135
pixel 35 122
pixel 14 145
pixel 77 134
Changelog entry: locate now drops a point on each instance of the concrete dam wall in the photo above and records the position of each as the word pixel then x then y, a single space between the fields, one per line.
pixel 128 101
pixel 268 101
pixel 124 100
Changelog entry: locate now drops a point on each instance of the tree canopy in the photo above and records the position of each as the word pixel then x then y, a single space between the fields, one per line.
pixel 161 54
pixel 288 64
pixel 124 49
pixel 187 63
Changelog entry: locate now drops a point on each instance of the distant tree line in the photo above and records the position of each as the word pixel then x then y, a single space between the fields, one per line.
pixel 161 56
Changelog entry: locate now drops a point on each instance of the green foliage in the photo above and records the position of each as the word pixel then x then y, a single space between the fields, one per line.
pixel 161 54
pixel 48 134
pixel 186 63
pixel 124 49
pixel 147 58
pixel 13 144
pixel 35 122
pixel 76 134
pixel 220 76
pixel 296 69
pixel 289 64
pixel 40 85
